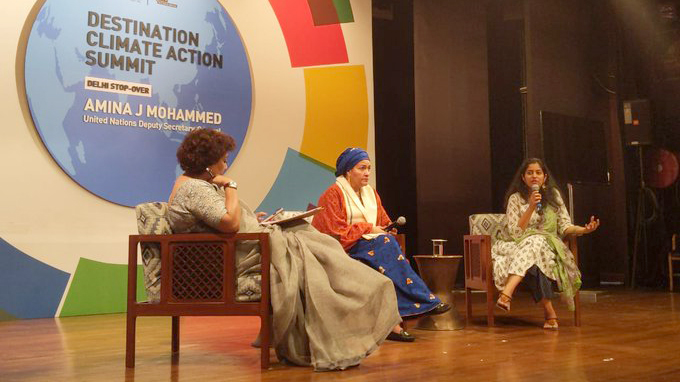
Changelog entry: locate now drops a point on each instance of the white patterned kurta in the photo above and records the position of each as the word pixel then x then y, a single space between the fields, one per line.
pixel 512 257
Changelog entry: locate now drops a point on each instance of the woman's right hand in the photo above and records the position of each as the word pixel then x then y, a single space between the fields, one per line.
pixel 534 199
pixel 378 229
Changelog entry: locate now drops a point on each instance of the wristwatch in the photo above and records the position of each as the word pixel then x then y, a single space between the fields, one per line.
pixel 231 184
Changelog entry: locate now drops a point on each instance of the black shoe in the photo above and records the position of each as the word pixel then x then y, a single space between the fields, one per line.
pixel 439 309
pixel 403 336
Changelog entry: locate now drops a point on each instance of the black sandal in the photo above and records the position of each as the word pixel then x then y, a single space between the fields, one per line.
pixel 402 336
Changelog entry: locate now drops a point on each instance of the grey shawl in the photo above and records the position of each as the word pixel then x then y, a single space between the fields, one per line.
pixel 330 311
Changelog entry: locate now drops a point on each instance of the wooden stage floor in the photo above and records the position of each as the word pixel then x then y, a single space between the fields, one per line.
pixel 626 336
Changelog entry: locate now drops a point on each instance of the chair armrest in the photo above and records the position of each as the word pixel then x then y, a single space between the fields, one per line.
pixel 571 241
pixel 476 236
pixel 401 239
pixel 477 261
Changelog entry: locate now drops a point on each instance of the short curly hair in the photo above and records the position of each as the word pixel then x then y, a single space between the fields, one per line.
pixel 202 148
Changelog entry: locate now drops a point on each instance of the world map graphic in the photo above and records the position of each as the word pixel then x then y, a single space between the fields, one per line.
pixel 129 157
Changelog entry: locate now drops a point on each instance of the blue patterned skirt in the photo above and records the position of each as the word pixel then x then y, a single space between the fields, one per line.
pixel 384 255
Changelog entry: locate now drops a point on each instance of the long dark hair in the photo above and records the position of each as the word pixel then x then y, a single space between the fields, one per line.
pixel 548 191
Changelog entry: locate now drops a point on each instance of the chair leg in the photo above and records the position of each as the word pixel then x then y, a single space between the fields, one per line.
pixel 577 309
pixel 489 307
pixel 130 340
pixel 670 273
pixel 175 334
pixel 265 339
pixel 468 304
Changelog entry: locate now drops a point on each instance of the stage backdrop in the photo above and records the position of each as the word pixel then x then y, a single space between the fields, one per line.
pixel 102 92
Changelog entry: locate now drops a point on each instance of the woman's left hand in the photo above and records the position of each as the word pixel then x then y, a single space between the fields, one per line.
pixel 220 180
pixel 260 216
pixel 591 225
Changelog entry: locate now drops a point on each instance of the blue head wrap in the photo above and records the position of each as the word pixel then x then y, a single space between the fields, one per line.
pixel 348 159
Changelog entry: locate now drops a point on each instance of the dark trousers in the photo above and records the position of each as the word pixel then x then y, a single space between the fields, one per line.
pixel 540 285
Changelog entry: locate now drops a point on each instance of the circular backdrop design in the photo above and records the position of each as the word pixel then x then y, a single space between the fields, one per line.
pixel 113 87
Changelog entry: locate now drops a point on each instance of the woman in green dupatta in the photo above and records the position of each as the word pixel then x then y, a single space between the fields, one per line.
pixel 537 221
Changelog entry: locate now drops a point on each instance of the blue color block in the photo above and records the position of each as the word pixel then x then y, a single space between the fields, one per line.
pixel 28 287
pixel 301 181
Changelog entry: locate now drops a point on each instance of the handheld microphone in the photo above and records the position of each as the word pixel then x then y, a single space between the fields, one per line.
pixel 536 187
pixel 400 221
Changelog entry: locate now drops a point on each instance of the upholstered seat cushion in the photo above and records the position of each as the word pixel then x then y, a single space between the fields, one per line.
pixel 152 220
pixel 494 225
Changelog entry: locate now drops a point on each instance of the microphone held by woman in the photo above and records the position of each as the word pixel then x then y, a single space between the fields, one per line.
pixel 537 188
pixel 399 222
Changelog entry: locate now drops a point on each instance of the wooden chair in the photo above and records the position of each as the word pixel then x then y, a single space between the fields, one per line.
pixel 401 239
pixel 484 228
pixel 198 278
pixel 673 255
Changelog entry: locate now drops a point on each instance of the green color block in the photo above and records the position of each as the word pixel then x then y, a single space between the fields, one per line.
pixel 99 288
pixel 344 9
pixel 4 316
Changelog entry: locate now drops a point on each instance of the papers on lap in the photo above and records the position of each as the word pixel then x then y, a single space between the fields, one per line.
pixel 289 216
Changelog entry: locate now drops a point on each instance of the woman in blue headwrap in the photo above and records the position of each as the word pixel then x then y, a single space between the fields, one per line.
pixel 354 215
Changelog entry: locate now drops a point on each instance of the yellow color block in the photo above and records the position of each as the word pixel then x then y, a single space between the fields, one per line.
pixel 337 112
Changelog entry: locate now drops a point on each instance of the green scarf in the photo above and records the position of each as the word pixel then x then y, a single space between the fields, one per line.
pixel 567 286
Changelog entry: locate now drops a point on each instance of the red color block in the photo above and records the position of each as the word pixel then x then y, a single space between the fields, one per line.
pixel 308 45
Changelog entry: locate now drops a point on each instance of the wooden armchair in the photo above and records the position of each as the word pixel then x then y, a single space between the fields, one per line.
pixel 198 278
pixel 484 229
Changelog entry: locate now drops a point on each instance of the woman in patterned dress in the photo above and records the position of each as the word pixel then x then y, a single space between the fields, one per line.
pixel 328 310
pixel 537 220
pixel 354 215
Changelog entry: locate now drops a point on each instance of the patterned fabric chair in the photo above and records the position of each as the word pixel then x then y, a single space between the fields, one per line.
pixel 484 230
pixel 151 221
pixel 192 275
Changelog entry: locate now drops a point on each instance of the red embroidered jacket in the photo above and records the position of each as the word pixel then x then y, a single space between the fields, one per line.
pixel 332 220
